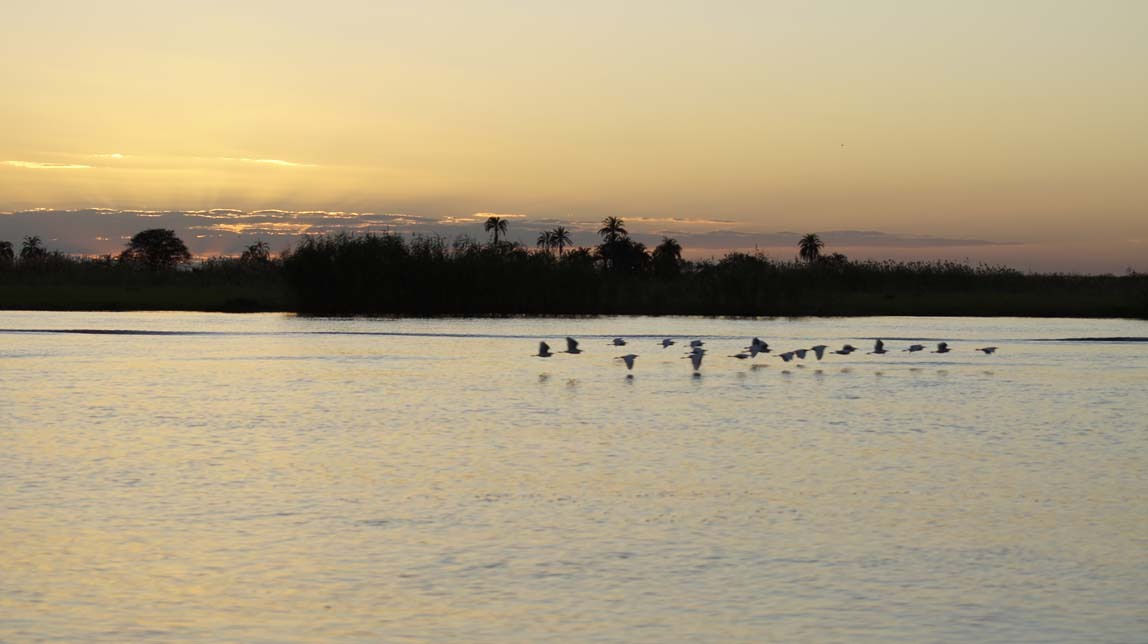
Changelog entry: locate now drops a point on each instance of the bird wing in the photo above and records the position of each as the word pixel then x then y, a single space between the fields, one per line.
pixel 571 345
pixel 696 359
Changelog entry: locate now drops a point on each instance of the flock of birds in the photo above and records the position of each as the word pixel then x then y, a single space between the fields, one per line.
pixel 756 347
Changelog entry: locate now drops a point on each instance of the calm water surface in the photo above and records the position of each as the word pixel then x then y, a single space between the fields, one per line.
pixel 266 478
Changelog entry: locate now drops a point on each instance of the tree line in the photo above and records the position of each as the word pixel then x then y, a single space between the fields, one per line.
pixel 393 274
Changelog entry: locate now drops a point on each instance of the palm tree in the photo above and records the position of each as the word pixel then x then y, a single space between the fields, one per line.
pixel 33 248
pixel 613 229
pixel 809 248
pixel 670 248
pixel 545 240
pixel 560 237
pixel 668 257
pixel 496 226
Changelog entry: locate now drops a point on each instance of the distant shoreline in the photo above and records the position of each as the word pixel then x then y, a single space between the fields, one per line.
pixel 390 275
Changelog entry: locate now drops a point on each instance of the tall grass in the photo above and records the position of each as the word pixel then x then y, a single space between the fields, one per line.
pixel 390 274
pixel 61 282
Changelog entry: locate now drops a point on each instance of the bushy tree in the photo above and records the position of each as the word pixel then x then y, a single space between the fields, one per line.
pixel 156 248
pixel 257 253
pixel 7 254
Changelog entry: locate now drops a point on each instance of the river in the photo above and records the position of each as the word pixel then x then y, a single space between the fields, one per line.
pixel 188 477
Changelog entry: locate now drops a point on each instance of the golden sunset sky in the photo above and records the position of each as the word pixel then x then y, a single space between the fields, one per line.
pixel 1011 130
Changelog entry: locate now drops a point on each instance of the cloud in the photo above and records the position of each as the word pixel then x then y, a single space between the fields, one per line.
pixel 483 216
pixel 832 238
pixel 276 162
pixel 228 230
pixel 37 165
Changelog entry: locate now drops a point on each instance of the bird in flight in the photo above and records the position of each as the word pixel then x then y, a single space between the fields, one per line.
pixel 618 342
pixel 696 358
pixel 913 348
pixel 818 350
pixel 628 359
pixel 667 342
pixel 988 351
pixel 942 347
pixel 543 350
pixel 572 345
pixel 879 348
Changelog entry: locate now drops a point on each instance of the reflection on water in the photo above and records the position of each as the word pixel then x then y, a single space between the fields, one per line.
pixel 268 478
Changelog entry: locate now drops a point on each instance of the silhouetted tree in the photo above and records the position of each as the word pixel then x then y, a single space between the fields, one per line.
pixel 836 259
pixel 156 248
pixel 257 253
pixel 613 229
pixel 7 254
pixel 33 249
pixel 809 248
pixel 560 237
pixel 545 240
pixel 667 257
pixel 496 226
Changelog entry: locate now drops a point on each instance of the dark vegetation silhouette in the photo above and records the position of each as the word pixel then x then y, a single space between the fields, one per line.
pixel 391 274
pixel 33 249
pixel 156 248
pixel 809 248
pixel 143 277
pixel 496 226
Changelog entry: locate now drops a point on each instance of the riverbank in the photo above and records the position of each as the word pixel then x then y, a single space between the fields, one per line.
pixel 388 275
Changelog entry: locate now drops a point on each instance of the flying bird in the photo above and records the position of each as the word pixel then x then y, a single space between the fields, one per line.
pixel 787 356
pixel 942 347
pixel 543 350
pixel 618 342
pixel 667 342
pixel 572 345
pixel 741 355
pixel 628 359
pixel 696 359
pixel 761 345
pixel 818 350
pixel 879 348
pixel 800 353
pixel 846 350
pixel 987 350
pixel 914 348
pixel 696 343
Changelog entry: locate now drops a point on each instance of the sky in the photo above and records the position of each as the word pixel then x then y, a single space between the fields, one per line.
pixel 1006 132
